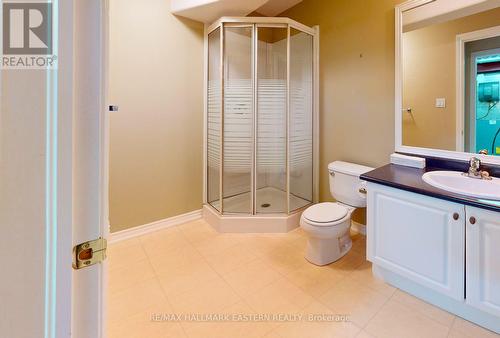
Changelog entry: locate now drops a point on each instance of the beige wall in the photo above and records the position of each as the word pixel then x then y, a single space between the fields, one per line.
pixel 156 77
pixel 429 73
pixel 160 121
pixel 356 80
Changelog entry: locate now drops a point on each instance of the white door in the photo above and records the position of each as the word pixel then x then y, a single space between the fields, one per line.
pixel 52 160
pixel 482 260
pixel 418 237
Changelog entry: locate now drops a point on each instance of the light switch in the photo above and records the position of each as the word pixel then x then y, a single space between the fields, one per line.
pixel 440 102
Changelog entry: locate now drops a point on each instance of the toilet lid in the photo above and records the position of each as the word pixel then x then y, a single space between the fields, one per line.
pixel 326 212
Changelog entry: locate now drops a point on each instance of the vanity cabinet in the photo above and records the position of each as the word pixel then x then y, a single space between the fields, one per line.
pixel 482 262
pixel 417 237
pixel 442 250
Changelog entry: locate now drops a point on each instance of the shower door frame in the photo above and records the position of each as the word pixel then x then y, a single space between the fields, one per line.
pixel 258 22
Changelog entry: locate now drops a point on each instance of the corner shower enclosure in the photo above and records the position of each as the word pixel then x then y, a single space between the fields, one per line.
pixel 261 120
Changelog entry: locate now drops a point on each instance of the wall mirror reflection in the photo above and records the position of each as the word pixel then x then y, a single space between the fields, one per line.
pixel 450 78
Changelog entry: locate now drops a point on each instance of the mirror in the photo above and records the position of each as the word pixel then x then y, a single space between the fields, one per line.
pixel 449 75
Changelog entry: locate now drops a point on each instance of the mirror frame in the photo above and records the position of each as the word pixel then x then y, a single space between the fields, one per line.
pixel 441 9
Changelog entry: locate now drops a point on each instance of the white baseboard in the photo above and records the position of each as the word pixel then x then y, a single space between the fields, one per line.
pixel 154 226
pixel 358 227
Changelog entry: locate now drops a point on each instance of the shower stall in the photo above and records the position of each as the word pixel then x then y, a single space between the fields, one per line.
pixel 260 123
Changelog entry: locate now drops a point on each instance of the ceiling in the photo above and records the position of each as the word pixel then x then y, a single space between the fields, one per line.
pixel 208 11
pixel 275 7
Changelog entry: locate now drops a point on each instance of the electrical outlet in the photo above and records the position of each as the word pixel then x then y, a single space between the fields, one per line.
pixel 440 102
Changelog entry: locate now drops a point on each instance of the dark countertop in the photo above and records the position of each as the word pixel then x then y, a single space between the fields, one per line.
pixel 410 179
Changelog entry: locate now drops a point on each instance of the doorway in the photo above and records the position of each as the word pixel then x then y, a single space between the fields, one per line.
pixel 478 76
pixel 485 112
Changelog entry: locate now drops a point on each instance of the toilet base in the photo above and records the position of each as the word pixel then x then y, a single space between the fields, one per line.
pixel 323 251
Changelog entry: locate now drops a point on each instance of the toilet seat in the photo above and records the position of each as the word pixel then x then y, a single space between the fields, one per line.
pixel 324 214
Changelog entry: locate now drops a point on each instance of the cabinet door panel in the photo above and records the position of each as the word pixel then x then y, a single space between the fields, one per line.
pixel 417 237
pixel 483 260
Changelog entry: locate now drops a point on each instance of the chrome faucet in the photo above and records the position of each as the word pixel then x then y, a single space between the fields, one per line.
pixel 475 170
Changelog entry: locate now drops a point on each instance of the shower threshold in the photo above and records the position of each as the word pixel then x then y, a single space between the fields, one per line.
pixel 269 219
pixel 269 201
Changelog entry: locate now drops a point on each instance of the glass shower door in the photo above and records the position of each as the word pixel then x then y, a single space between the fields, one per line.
pixel 238 119
pixel 300 161
pixel 271 182
pixel 214 119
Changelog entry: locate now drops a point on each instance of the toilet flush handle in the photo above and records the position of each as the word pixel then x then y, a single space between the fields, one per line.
pixel 362 190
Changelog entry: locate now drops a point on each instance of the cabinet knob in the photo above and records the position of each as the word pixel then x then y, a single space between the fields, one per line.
pixel 472 220
pixel 456 216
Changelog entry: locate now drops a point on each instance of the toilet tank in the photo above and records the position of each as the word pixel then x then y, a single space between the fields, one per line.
pixel 345 183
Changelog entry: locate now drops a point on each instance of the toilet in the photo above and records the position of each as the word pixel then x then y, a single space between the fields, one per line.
pixel 327 224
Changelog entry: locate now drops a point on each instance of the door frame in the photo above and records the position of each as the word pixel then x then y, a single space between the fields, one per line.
pixel 76 176
pixel 68 106
pixel 59 177
pixel 56 255
pixel 91 145
pixel 473 93
pixel 460 56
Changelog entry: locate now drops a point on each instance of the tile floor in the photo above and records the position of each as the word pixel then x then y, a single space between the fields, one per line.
pixel 191 269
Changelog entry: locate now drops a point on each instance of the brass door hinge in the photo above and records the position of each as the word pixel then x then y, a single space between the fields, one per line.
pixel 89 253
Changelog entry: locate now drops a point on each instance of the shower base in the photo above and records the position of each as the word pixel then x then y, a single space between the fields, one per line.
pixel 269 219
pixel 269 201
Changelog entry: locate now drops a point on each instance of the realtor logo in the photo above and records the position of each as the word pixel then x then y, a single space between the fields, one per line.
pixel 28 35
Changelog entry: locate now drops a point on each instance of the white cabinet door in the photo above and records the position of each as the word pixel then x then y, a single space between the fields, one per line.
pixel 483 259
pixel 418 237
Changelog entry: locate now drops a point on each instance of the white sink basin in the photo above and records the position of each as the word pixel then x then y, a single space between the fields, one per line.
pixel 454 181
